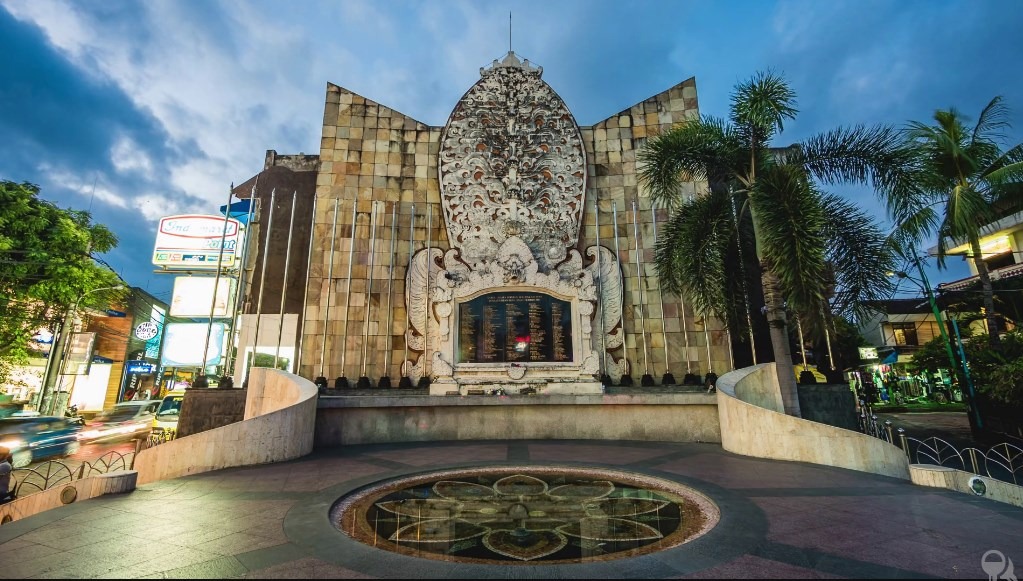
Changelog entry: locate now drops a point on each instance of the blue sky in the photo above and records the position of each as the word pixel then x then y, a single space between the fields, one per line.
pixel 138 109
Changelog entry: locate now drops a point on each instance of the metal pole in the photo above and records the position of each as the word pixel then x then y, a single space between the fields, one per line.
pixel 216 280
pixel 827 343
pixel 385 379
pixel 262 277
pixel 966 374
pixel 429 251
pixel 411 249
pixel 330 280
pixel 660 301
pixel 600 289
pixel 241 282
pixel 369 286
pixel 627 378
pixel 802 344
pixel 706 336
pixel 639 287
pixel 348 293
pixel 305 293
pixel 284 281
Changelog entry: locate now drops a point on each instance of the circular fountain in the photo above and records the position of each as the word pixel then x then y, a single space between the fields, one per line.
pixel 525 514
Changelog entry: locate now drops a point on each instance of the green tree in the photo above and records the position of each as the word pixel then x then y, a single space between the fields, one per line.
pixel 814 251
pixel 45 267
pixel 965 180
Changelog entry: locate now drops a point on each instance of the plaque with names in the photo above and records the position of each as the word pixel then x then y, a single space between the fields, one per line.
pixel 515 327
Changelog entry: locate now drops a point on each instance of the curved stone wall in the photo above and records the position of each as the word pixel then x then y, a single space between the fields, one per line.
pixel 749 427
pixel 685 417
pixel 280 415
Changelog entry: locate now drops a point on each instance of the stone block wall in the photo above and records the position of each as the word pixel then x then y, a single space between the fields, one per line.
pixel 205 409
pixel 375 160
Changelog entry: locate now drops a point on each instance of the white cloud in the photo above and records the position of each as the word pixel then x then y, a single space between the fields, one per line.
pixel 128 157
pixel 93 190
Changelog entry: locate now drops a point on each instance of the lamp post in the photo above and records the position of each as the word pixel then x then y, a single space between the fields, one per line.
pixel 925 286
pixel 55 363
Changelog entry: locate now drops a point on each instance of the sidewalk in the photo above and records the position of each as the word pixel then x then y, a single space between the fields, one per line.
pixel 779 519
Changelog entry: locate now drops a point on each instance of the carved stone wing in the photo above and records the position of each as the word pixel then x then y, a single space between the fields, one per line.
pixel 416 292
pixel 608 274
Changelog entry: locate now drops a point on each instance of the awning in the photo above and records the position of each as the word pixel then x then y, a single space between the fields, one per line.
pixel 239 210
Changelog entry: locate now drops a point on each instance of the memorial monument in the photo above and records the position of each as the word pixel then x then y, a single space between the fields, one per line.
pixel 509 250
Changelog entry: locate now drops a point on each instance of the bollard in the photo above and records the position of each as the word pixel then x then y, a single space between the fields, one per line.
pixel 888 429
pixel 904 443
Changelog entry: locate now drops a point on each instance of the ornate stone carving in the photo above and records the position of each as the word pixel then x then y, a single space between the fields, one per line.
pixel 607 272
pixel 512 164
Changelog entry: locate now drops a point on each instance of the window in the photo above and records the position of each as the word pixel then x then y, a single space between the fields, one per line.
pixel 904 334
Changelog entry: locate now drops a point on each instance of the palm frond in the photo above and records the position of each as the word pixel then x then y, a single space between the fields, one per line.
pixel 994 118
pixel 761 105
pixel 690 256
pixel 790 235
pixel 858 154
pixel 859 255
pixel 701 149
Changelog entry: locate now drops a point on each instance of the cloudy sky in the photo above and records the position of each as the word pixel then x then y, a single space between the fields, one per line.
pixel 138 109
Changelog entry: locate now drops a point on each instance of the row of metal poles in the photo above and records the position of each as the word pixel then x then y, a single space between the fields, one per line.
pixel 648 379
pixel 375 221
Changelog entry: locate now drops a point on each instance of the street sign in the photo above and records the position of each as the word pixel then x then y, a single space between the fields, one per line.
pixel 113 313
pixel 868 353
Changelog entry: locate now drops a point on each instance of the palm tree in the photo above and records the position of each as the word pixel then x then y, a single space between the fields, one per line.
pixel 965 181
pixel 809 246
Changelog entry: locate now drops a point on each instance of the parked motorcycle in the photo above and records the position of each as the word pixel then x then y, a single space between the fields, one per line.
pixel 71 413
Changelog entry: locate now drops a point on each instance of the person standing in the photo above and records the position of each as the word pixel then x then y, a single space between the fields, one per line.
pixel 6 468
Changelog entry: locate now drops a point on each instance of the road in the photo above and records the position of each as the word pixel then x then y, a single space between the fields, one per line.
pixel 953 427
pixel 101 457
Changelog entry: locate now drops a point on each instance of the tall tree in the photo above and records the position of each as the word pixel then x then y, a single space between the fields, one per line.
pixel 966 180
pixel 810 246
pixel 45 266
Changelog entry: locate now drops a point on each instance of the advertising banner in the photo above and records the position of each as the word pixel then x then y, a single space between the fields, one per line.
pixel 192 241
pixel 183 343
pixel 79 355
pixel 193 296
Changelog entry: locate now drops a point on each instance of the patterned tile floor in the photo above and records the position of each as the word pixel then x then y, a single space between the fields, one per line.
pixel 779 520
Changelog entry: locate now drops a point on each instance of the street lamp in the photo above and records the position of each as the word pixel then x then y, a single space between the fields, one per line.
pixel 58 353
pixel 925 286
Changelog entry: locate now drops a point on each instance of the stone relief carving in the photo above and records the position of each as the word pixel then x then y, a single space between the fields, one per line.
pixel 607 272
pixel 513 177
pixel 416 293
pixel 512 164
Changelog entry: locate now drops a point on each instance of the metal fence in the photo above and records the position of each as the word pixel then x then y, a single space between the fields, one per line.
pixel 58 472
pixel 1002 461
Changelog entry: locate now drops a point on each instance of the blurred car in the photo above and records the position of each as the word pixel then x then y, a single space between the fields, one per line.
pixel 165 424
pixel 37 438
pixel 125 421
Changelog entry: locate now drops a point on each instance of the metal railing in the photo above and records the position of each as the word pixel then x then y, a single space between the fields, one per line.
pixel 54 473
pixel 1002 461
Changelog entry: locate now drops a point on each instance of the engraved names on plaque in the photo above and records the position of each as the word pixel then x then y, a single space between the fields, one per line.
pixel 515 327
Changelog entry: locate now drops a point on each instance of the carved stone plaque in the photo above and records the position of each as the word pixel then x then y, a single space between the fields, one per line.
pixel 515 327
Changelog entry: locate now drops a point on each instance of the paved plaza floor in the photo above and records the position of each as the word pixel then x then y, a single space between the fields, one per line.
pixel 778 519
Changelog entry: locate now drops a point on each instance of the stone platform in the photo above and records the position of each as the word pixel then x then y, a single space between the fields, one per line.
pixel 779 520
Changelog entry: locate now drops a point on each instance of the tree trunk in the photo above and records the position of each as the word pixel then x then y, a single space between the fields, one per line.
pixel 774 301
pixel 987 293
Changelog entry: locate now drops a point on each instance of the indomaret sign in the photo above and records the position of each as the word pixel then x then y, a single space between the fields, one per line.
pixel 193 241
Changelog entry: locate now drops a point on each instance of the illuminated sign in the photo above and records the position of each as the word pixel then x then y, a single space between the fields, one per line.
pixel 183 343
pixel 995 246
pixel 194 296
pixel 868 353
pixel 140 367
pixel 146 331
pixel 193 241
